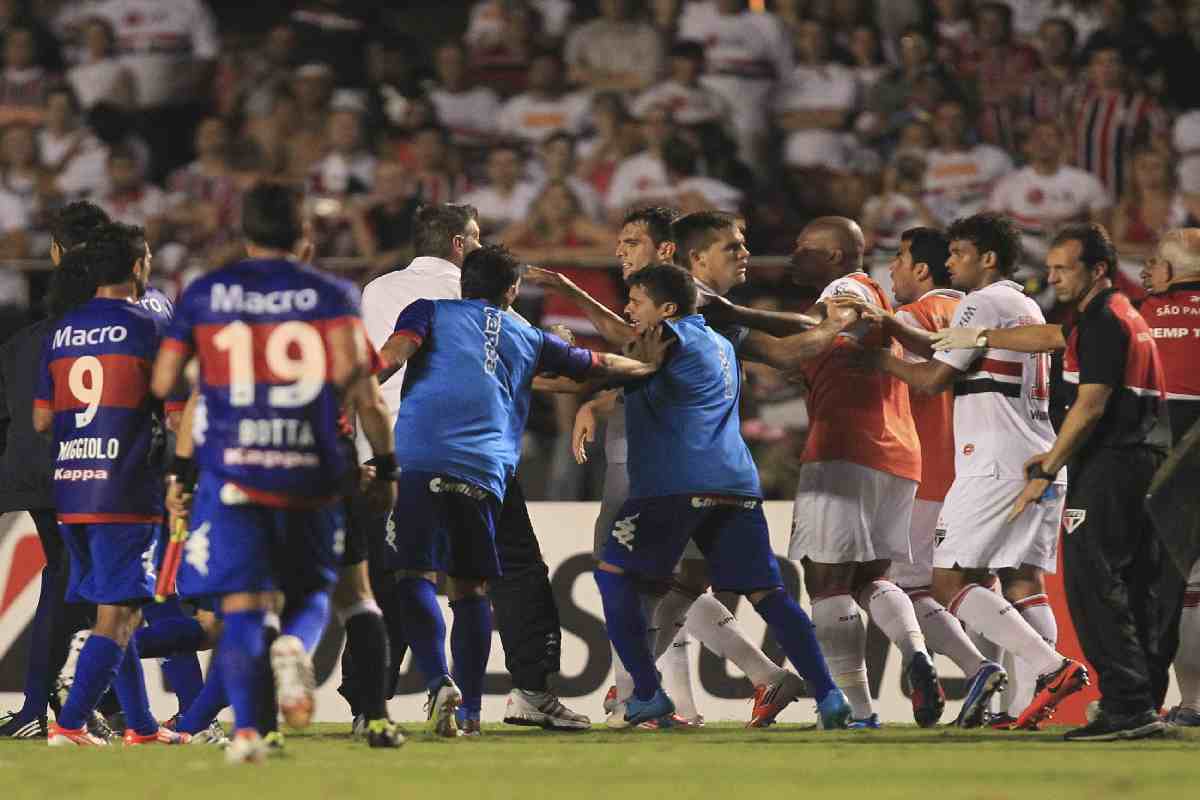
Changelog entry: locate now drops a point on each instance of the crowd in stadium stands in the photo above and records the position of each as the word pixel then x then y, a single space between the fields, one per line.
pixel 553 117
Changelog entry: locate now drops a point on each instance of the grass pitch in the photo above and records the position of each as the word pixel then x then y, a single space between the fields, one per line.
pixel 720 761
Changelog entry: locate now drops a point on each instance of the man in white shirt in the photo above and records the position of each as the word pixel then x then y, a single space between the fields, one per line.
pixel 695 192
pixel 682 94
pixel 507 196
pixel 558 164
pixel 68 149
pixel 1047 194
pixel 614 53
pixel 469 112
pixel 641 179
pixel 746 52
pixel 546 107
pixel 1001 421
pixel 960 176
pixel 525 612
pixel 814 101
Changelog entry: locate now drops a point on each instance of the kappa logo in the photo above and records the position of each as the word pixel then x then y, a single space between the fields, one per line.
pixel 1073 518
pixel 624 530
pixel 195 549
pixel 390 538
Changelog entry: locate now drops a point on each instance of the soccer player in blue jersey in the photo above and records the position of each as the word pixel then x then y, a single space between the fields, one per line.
pixel 691 477
pixel 467 388
pixel 280 348
pixel 93 395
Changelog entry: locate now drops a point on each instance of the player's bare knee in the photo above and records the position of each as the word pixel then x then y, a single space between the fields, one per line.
pixel 464 588
pixel 604 566
pixel 867 573
pixel 353 587
pixel 824 580
pixel 693 574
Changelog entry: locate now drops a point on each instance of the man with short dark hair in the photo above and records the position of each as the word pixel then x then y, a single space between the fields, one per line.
pixel 526 612
pixel 458 440
pixel 1001 419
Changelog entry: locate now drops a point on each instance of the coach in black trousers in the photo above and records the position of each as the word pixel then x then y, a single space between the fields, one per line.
pixel 25 485
pixel 1111 442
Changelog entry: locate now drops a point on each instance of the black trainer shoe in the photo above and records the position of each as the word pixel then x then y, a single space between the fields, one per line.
pixel 17 726
pixel 1111 727
pixel 384 733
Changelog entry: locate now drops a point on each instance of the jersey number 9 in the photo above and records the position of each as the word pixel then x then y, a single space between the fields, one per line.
pixel 86 382
pixel 294 351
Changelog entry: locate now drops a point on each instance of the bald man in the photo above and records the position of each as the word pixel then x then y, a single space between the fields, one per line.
pixel 854 501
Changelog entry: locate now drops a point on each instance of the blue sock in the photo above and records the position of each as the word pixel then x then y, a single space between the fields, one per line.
pixel 46 621
pixel 424 627
pixel 130 686
pixel 94 673
pixel 241 654
pixel 305 617
pixel 627 630
pixel 200 714
pixel 471 644
pixel 796 634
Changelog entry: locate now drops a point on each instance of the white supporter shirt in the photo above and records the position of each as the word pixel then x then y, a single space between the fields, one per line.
pixel 470 116
pixel 689 105
pixel 533 119
pixel 957 184
pixel 638 179
pixel 1002 399
pixel 894 214
pixel 13 214
pixel 138 208
pixel 1041 204
pixel 810 87
pixel 718 194
pixel 747 45
pixel 157 40
pixel 86 172
pixel 497 208
pixel 425 278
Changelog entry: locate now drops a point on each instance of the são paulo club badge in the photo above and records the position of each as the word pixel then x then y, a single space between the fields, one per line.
pixel 1073 518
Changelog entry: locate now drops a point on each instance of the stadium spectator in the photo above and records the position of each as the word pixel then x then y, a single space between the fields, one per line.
pixel 489 20
pixel 312 84
pixel 641 179
pixel 959 175
pixel 814 103
pixel 745 54
pixel 392 82
pixel 1046 194
pixel 692 191
pixel 689 101
pixel 898 208
pixel 1123 29
pixel 131 198
pixel 205 197
pixel 503 60
pixel 70 151
pixel 1000 68
pixel 1170 74
pixel 1048 92
pixel 468 110
pixel 1112 120
pixel 866 57
pixel 557 163
pixel 382 221
pixel 101 76
pixel 894 92
pixel 1150 207
pixel 616 137
pixel 23 82
pixel 614 52
pixel 546 106
pixel 260 73
pixel 507 196
pixel 434 169
pixel 170 46
pixel 24 177
pixel 349 167
pixel 955 28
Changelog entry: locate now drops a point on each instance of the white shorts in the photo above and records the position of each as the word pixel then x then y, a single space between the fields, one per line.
pixel 973 533
pixel 846 513
pixel 919 573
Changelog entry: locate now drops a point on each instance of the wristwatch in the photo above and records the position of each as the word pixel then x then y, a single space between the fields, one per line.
pixel 981 339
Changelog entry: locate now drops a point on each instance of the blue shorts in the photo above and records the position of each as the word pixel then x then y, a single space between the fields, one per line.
pixel 650 534
pixel 111 562
pixel 242 547
pixel 442 524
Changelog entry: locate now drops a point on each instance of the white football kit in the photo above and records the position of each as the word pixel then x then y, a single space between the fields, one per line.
pixel 1001 420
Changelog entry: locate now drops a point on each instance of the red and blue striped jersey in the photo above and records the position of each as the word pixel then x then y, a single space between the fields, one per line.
pixel 267 420
pixel 95 376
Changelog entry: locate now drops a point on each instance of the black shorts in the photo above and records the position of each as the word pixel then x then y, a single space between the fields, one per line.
pixel 360 522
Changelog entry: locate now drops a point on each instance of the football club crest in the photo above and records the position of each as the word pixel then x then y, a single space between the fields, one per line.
pixel 1073 518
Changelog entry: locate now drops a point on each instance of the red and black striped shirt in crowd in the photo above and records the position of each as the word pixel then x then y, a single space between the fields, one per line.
pixel 1174 320
pixel 1111 345
pixel 1108 126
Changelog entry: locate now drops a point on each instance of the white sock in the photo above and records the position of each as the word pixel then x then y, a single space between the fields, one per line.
pixel 1187 657
pixel 669 617
pixel 1035 610
pixel 995 617
pixel 842 634
pixel 890 609
pixel 944 634
pixel 677 676
pixel 1008 697
pixel 621 678
pixel 711 623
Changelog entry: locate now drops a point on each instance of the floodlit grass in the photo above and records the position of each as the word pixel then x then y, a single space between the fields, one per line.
pixel 720 761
